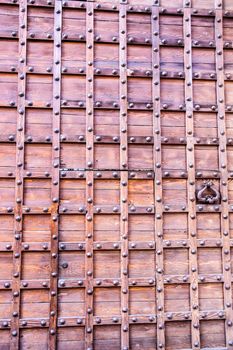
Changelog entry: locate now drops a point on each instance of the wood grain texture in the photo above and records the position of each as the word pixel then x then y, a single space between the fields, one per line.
pixel 113 117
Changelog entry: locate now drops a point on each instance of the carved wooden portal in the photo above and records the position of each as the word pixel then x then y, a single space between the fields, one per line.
pixel 113 117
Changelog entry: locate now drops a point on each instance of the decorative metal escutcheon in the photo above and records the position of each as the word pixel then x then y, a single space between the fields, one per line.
pixel 208 193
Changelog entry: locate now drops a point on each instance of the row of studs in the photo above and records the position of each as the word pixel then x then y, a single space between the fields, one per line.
pixel 224 174
pixel 89 174
pixel 19 176
pixel 158 177
pixel 124 177
pixel 55 176
pixel 191 178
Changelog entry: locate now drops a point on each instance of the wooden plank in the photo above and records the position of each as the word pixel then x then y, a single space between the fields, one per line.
pixel 124 177
pixel 19 186
pixel 54 242
pixel 157 160
pixel 191 177
pixel 89 268
pixel 224 189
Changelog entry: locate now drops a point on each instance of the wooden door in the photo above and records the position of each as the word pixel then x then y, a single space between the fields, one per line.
pixel 116 167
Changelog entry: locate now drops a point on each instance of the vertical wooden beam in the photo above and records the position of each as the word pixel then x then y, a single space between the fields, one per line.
pixel 124 177
pixel 226 259
pixel 19 185
pixel 89 173
pixel 55 174
pixel 158 178
pixel 190 155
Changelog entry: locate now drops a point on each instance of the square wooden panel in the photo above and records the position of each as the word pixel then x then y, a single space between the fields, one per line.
pixel 142 300
pixel 73 156
pixel 208 225
pixel 230 158
pixel 139 26
pixel 40 21
pixel 175 226
pixel 171 27
pixel 106 156
pixel 173 158
pixel 177 298
pixel 38 157
pixel 172 124
pixel 203 60
pixel 206 158
pixel 73 123
pixel 73 55
pixel 73 88
pixel 107 301
pixel 139 59
pixel 106 56
pixel 6 228
pixel 180 255
pixel 140 157
pixel 106 25
pixel 8 117
pixel 74 22
pixel 209 260
pixel 107 122
pixel 228 68
pixel 141 193
pixel 229 125
pixel 205 124
pixel 7 156
pixel 39 89
pixel 9 18
pixel 36 228
pixel 8 52
pixel 72 337
pixel 6 260
pixel 212 333
pixel 40 55
pixel 141 227
pixel 107 228
pixel 8 86
pixel 175 193
pixel 107 192
pixel 72 192
pixel 106 89
pixel 37 336
pixel 35 303
pixel 5 338
pixel 71 302
pixel 7 190
pixel 210 296
pixel 39 127
pixel 228 93
pixel 37 192
pixel 141 264
pixel 5 304
pixel 172 93
pixel 204 93
pixel 101 269
pixel 71 264
pixel 171 59
pixel 202 27
pixel 227 27
pixel 107 337
pixel 35 265
pixel 178 335
pixel 139 90
pixel 71 228
pixel 142 337
pixel 139 123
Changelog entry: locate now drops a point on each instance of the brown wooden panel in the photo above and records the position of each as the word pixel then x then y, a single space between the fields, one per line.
pixel 114 115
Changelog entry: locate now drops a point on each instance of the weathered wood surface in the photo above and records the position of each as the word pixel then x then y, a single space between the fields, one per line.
pixel 114 115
